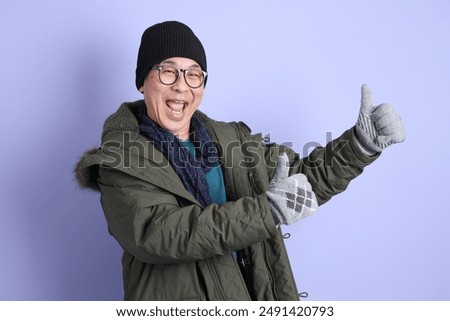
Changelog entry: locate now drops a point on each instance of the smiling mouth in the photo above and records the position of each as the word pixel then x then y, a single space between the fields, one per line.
pixel 176 106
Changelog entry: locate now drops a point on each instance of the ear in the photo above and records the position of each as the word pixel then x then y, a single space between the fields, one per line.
pixel 141 89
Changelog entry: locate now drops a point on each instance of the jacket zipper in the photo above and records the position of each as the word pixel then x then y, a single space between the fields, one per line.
pixel 241 278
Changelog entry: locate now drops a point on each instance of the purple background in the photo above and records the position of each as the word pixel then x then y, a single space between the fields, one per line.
pixel 289 68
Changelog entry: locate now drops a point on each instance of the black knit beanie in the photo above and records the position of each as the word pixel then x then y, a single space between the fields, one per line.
pixel 165 40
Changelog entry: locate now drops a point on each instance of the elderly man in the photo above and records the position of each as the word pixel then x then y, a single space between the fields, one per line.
pixel 197 204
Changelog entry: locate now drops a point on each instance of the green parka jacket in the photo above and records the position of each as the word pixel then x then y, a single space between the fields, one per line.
pixel 176 250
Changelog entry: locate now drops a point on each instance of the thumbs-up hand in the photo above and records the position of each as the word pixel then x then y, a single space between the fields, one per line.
pixel 291 198
pixel 377 127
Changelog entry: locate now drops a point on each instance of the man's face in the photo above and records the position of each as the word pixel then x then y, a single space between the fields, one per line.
pixel 172 106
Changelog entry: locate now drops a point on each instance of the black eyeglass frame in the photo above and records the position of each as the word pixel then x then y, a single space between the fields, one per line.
pixel 179 71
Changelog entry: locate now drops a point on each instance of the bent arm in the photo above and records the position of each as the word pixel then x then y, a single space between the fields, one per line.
pixel 155 227
pixel 329 169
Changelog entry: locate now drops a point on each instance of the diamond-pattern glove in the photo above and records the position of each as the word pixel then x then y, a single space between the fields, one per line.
pixel 377 127
pixel 291 198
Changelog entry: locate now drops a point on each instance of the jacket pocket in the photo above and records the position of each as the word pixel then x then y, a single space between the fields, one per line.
pixel 163 282
pixel 223 279
pixel 213 286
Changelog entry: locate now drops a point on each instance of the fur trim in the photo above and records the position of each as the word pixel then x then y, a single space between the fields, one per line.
pixel 86 176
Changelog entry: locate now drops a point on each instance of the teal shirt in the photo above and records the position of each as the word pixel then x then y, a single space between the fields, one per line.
pixel 214 178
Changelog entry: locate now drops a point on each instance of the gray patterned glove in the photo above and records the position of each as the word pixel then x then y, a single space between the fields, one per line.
pixel 291 198
pixel 377 127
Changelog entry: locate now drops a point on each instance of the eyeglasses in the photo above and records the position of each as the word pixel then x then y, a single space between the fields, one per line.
pixel 169 75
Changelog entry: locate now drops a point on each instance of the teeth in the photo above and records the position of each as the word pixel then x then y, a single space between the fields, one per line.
pixel 178 102
pixel 177 106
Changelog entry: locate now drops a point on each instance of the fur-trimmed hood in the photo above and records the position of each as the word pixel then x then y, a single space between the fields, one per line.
pixel 86 176
pixel 86 169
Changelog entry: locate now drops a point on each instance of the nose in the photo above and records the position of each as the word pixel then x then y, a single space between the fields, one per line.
pixel 180 85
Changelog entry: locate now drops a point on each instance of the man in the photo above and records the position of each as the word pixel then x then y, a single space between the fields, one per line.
pixel 197 204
